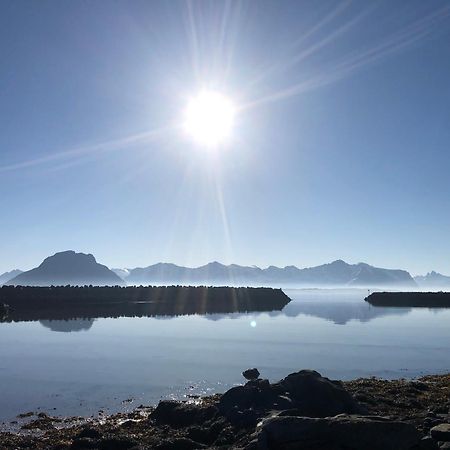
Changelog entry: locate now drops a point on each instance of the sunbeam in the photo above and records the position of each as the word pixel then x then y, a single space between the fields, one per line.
pixel 223 215
pixel 290 61
pixel 118 144
pixel 192 38
pixel 404 38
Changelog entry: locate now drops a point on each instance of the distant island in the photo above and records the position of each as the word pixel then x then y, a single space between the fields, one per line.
pixel 410 299
pixel 78 269
pixel 19 303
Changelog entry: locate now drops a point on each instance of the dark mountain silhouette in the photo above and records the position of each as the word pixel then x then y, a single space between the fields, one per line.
pixel 5 277
pixel 433 280
pixel 65 268
pixel 337 273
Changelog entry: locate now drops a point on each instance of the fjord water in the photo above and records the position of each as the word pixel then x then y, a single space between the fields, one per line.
pixel 79 367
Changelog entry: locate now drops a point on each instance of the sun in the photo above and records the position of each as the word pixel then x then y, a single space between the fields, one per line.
pixel 208 118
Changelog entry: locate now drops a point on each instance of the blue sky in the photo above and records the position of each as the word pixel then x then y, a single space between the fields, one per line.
pixel 340 148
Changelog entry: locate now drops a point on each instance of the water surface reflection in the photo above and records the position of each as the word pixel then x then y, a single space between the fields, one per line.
pixel 105 361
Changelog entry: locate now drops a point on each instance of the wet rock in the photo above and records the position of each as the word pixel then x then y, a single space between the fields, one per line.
pixel 243 419
pixel 317 396
pixel 251 374
pixel 335 433
pixel 432 422
pixel 25 415
pixel 116 443
pixel 256 394
pixel 217 427
pixel 42 424
pixel 242 397
pixel 306 391
pixel 226 437
pixel 259 383
pixel 179 444
pixel 178 414
pixel 84 443
pixel 427 443
pixel 419 385
pixel 89 432
pixel 282 402
pixel 441 432
pixel 201 434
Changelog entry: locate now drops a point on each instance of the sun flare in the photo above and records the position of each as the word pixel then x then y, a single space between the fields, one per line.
pixel 209 118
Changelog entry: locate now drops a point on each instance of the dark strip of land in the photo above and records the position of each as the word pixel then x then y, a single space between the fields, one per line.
pixel 65 302
pixel 410 299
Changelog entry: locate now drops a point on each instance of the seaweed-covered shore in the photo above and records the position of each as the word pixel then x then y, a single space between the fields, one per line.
pixel 302 411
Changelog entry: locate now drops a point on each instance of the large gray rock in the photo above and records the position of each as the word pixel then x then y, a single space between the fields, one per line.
pixel 441 432
pixel 317 396
pixel 343 432
pixel 256 394
pixel 177 414
pixel 306 391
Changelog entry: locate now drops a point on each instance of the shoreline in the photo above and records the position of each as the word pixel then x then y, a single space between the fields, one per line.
pixel 27 303
pixel 230 420
pixel 410 299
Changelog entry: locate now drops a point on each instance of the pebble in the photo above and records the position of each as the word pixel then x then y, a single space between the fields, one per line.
pixel 251 374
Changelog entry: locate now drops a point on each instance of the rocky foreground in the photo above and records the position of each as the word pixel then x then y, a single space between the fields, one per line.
pixel 303 411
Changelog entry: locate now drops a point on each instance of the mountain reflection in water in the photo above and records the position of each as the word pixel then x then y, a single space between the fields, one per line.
pixel 338 312
pixel 103 361
pixel 341 312
pixel 68 326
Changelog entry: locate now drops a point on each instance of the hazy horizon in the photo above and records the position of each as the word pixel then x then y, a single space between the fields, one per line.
pixel 209 262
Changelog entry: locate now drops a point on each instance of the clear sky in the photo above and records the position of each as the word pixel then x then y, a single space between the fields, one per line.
pixel 340 146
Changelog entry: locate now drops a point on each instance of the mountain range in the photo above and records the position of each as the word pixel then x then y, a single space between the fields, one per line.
pixel 5 277
pixel 79 269
pixel 337 273
pixel 433 280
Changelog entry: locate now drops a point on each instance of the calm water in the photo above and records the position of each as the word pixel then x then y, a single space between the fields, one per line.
pixel 82 366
